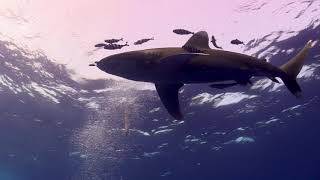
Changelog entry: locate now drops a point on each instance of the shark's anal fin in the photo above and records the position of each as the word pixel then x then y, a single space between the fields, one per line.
pixel 274 79
pixel 168 94
pixel 242 82
pixel 223 85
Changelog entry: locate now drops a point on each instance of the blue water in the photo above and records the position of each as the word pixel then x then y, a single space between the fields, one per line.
pixel 269 136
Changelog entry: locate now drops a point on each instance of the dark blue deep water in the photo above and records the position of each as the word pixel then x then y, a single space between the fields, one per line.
pixel 54 128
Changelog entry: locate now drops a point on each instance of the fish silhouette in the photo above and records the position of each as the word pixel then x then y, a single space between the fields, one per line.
pixel 115 46
pixel 213 41
pixel 141 41
pixel 182 32
pixel 100 45
pixel 111 41
pixel 236 42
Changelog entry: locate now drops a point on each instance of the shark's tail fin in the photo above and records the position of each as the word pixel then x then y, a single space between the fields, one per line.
pixel 292 68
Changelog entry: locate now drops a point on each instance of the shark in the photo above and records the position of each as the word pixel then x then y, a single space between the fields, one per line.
pixel 170 68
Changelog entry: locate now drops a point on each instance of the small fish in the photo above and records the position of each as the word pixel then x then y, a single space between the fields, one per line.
pixel 111 41
pixel 213 41
pixel 236 42
pixel 100 45
pixel 141 41
pixel 182 32
pixel 115 46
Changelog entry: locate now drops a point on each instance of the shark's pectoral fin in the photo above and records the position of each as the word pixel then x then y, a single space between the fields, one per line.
pixel 168 94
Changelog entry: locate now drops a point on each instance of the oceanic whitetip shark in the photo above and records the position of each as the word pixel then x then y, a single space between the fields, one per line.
pixel 170 68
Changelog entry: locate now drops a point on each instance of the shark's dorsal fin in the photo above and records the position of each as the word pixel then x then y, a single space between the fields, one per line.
pixel 199 40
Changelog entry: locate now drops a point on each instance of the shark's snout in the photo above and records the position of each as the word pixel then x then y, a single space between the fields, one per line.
pixel 105 64
pixel 112 65
pixel 99 65
pixel 102 66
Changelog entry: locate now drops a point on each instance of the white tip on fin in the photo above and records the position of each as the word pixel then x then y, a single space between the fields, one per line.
pixel 309 44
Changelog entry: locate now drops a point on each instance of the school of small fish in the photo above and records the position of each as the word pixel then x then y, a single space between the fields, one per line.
pixel 111 44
